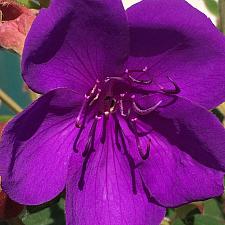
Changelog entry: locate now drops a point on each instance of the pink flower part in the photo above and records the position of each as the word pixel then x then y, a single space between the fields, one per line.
pixel 15 24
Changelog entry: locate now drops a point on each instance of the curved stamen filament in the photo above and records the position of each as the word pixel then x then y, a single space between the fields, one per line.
pixel 84 168
pixel 94 88
pixel 143 155
pixel 91 137
pixel 87 97
pixel 105 120
pixel 89 148
pixel 78 122
pixel 140 81
pixel 117 127
pixel 122 109
pixel 107 79
pixel 78 136
pixel 146 190
pixel 176 89
pixel 121 105
pixel 130 160
pixel 95 98
pixel 135 80
pixel 144 112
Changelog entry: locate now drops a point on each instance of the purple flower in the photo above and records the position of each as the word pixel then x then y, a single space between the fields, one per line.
pixel 123 122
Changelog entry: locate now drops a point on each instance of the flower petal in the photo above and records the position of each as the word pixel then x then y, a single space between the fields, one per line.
pixel 186 161
pixel 176 40
pixel 72 43
pixel 36 146
pixel 107 196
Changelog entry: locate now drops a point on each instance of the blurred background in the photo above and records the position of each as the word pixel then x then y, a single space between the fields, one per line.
pixel 14 96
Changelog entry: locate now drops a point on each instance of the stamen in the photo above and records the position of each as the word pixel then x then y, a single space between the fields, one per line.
pixel 89 148
pixel 94 88
pixel 83 170
pixel 128 156
pixel 107 79
pixel 78 122
pixel 105 119
pixel 176 89
pixel 113 105
pixel 117 135
pixel 146 191
pixel 140 81
pixel 145 69
pixel 122 109
pixel 77 138
pixel 95 98
pixel 143 155
pixel 144 112
pixel 91 137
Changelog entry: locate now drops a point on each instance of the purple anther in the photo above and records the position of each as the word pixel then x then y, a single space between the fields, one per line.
pixel 176 89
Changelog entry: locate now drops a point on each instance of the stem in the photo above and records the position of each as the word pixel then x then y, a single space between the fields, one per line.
pixel 10 102
pixel 222 15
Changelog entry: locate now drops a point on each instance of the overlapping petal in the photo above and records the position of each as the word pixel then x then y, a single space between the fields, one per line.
pixel 36 146
pixel 186 161
pixel 72 43
pixel 107 196
pixel 174 39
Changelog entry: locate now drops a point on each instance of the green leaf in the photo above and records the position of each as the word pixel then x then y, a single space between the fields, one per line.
pixel 178 222
pixel 212 6
pixel 212 214
pixel 5 118
pixel 212 208
pixel 183 211
pixel 208 220
pixel 53 215
pixel 189 210
pixel 29 4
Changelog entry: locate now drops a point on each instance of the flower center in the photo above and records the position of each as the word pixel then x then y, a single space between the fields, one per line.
pixel 108 98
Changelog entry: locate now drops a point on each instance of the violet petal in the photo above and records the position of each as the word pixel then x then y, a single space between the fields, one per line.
pixel 107 196
pixel 186 161
pixel 174 39
pixel 72 43
pixel 36 146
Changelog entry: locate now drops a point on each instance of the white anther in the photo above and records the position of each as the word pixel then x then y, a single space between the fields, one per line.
pixel 106 113
pixel 145 69
pixel 134 119
pixel 98 117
